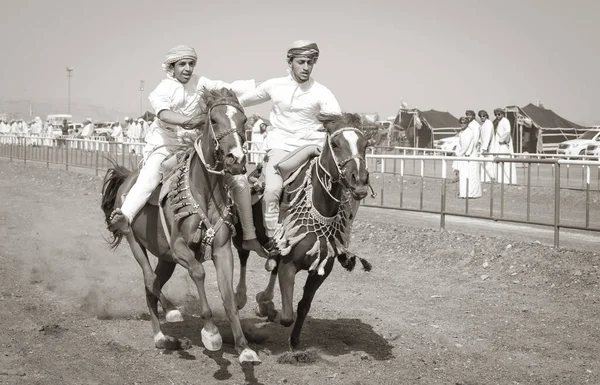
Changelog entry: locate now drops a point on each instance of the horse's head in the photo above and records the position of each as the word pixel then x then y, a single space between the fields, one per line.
pixel 224 128
pixel 346 147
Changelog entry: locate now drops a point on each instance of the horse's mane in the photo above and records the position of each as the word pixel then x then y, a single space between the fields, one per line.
pixel 212 96
pixel 344 119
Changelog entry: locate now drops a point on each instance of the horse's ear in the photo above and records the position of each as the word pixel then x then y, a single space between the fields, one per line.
pixel 328 121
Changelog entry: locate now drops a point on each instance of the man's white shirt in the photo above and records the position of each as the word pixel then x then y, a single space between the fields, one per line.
pixel 295 110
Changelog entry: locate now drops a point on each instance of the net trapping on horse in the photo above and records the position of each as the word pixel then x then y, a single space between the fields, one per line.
pixel 302 218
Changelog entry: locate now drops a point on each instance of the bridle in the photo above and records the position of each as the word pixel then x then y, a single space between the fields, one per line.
pixel 340 166
pixel 216 138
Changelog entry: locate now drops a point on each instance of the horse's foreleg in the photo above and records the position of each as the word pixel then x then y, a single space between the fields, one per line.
pixel 185 257
pixel 313 282
pixel 287 276
pixel 240 290
pixel 164 271
pixel 223 260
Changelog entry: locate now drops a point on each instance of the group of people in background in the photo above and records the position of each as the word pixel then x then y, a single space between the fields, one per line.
pixel 482 137
pixel 128 128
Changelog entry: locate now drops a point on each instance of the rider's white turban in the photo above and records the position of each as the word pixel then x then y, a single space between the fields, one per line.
pixel 303 48
pixel 178 53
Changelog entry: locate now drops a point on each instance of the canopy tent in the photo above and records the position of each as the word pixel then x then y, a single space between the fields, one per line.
pixel 536 129
pixel 148 116
pixel 422 128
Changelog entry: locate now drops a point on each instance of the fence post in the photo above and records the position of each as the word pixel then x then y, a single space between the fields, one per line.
pixel 443 198
pixel 587 196
pixel 25 151
pixel 67 155
pixel 556 204
pixel 528 190
pixel 97 159
pixel 502 191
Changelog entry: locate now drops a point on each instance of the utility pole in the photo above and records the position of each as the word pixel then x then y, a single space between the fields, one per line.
pixel 69 75
pixel 141 95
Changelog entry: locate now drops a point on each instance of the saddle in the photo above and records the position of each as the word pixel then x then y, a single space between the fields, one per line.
pixel 168 166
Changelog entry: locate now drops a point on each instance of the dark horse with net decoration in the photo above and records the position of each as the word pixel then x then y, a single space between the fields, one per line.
pixel 318 208
pixel 192 222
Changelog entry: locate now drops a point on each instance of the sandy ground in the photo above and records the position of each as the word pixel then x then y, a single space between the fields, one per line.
pixel 465 306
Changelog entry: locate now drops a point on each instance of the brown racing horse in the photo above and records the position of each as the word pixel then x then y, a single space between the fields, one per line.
pixel 317 212
pixel 197 215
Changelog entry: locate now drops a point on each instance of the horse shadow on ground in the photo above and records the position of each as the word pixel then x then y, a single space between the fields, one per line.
pixel 332 337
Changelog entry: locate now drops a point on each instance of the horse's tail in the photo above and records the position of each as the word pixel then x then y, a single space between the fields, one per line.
pixel 114 178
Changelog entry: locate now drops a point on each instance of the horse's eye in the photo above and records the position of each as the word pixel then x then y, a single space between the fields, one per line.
pixel 334 145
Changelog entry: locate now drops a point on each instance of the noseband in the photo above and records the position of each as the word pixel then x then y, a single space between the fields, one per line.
pixel 216 138
pixel 340 166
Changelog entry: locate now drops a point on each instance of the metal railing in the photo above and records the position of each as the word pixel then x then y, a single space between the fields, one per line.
pixel 414 183
pixel 548 191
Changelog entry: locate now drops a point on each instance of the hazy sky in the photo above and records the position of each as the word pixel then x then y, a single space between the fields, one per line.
pixel 440 54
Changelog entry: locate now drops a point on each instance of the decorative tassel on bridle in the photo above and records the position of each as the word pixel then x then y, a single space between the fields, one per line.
pixel 183 205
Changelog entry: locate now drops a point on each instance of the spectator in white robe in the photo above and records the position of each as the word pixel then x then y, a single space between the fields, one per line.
pixel 503 145
pixel 4 130
pixel 88 129
pixel 134 132
pixel 15 129
pixel 143 129
pixel 134 136
pixel 469 183
pixel 475 126
pixel 488 169
pixel 258 128
pixel 117 133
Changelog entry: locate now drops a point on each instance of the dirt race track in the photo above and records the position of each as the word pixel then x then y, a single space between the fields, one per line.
pixel 438 307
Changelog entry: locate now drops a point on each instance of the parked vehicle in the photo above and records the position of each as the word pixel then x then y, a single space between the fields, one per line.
pixel 103 129
pixel 57 121
pixel 448 145
pixel 579 146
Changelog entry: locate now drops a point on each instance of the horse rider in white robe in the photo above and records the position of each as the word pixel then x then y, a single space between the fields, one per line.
pixel 503 146
pixel 469 174
pixel 297 101
pixel 177 104
pixel 485 144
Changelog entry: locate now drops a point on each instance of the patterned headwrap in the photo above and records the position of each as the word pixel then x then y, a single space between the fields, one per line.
pixel 303 48
pixel 470 113
pixel 498 110
pixel 178 53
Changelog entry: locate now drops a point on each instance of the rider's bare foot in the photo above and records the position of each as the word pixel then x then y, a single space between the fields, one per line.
pixel 119 221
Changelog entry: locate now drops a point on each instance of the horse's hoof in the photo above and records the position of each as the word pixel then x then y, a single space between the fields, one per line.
pixel 174 316
pixel 265 309
pixel 270 265
pixel 294 343
pixel 249 356
pixel 240 300
pixel 212 342
pixel 160 341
